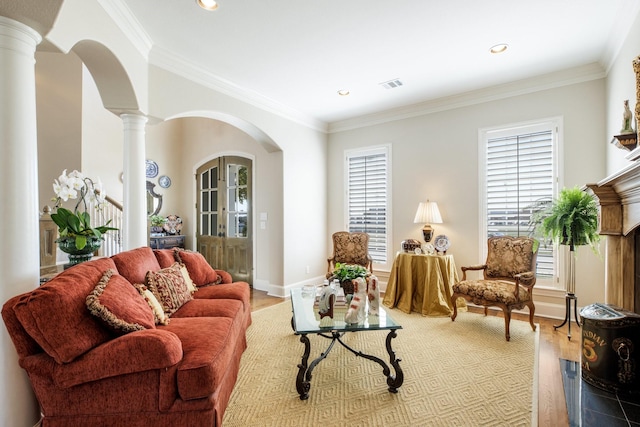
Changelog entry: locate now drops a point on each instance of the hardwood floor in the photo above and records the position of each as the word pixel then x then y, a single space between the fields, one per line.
pixel 553 346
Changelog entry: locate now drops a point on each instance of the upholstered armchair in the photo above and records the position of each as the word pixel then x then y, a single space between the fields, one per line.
pixel 350 248
pixel 509 275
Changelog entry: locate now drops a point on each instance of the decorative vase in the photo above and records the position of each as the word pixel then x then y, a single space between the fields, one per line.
pixel 76 256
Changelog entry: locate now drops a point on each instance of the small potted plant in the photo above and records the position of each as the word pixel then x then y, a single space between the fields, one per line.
pixel 345 273
pixel 157 221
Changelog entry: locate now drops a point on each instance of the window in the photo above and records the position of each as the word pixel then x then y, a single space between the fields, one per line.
pixel 519 173
pixel 368 198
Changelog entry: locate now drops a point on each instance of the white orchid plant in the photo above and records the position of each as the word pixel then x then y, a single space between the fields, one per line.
pixel 77 223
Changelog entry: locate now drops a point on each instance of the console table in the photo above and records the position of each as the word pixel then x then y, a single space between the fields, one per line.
pixel 422 283
pixel 166 242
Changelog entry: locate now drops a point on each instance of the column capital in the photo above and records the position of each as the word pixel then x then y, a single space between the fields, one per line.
pixel 18 36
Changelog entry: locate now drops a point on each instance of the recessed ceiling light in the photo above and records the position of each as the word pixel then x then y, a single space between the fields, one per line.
pixel 207 4
pixel 499 48
pixel 343 92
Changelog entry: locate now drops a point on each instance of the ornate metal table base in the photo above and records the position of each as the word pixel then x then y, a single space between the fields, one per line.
pixel 567 316
pixel 303 381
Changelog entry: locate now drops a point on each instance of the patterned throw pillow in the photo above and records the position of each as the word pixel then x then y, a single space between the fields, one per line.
pixel 159 315
pixel 115 301
pixel 169 287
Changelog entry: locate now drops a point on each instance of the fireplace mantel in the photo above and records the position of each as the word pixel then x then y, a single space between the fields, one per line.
pixel 618 197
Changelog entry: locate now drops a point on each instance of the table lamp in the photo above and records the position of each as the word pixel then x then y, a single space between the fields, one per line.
pixel 427 214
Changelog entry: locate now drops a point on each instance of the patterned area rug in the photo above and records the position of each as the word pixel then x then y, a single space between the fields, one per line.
pixel 458 373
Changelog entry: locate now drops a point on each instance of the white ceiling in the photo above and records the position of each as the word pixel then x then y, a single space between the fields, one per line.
pixel 297 54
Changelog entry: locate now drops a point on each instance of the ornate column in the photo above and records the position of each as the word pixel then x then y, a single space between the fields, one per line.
pixel 135 207
pixel 19 228
pixel 636 69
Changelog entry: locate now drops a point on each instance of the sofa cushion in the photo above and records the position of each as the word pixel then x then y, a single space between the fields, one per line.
pixel 237 290
pixel 229 308
pixel 165 257
pixel 134 264
pixel 159 316
pixel 199 269
pixel 56 315
pixel 208 345
pixel 119 305
pixel 211 308
pixel 169 286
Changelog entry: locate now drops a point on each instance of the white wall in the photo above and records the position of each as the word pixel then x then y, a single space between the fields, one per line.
pixel 621 85
pixel 59 107
pixel 102 136
pixel 435 156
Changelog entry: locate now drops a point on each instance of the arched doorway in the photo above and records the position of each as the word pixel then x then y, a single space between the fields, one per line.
pixel 224 211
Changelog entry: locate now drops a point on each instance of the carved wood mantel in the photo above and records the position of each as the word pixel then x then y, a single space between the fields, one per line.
pixel 618 197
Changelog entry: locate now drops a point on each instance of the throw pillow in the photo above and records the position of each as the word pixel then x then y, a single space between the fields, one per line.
pixel 169 286
pixel 199 269
pixel 190 285
pixel 56 316
pixel 115 301
pixel 159 315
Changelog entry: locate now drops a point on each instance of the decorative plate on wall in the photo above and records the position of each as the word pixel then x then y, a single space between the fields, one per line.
pixel 151 169
pixel 164 181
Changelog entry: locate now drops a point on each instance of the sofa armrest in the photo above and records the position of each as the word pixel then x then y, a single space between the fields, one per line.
pixel 134 352
pixel 224 277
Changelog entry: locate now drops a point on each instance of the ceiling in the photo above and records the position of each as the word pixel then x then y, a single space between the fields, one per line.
pixel 296 54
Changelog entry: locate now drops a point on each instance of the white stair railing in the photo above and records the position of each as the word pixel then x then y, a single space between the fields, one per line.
pixel 112 243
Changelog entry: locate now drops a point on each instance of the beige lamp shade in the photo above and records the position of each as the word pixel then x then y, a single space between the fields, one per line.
pixel 427 213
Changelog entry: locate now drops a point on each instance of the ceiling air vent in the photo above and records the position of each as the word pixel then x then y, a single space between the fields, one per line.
pixel 391 84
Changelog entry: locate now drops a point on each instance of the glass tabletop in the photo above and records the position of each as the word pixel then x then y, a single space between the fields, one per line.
pixel 307 320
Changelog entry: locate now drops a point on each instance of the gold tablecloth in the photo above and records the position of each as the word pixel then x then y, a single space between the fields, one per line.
pixel 422 283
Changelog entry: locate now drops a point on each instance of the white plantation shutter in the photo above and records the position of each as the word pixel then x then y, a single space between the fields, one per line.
pixel 520 173
pixel 367 198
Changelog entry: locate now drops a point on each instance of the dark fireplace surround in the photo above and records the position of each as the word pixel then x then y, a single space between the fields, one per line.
pixel 618 197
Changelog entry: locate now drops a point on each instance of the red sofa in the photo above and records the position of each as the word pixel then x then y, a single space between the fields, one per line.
pixel 85 373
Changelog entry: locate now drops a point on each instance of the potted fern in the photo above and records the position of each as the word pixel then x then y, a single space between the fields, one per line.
pixel 571 220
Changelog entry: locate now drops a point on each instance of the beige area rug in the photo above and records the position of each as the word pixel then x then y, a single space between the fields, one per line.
pixel 460 373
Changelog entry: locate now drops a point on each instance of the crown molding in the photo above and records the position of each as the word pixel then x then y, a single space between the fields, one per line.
pixel 129 25
pixel 174 63
pixel 171 61
pixel 567 77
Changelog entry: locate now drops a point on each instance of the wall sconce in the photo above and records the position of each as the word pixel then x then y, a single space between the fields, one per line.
pixel 427 213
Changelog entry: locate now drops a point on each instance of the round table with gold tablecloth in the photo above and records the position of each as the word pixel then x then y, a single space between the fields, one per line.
pixel 422 283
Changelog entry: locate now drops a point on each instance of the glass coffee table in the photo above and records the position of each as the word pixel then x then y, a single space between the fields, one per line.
pixel 306 321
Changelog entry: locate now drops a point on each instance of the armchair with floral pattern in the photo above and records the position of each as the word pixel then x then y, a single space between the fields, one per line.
pixel 350 248
pixel 509 275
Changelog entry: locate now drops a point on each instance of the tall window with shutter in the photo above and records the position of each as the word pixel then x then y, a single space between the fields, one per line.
pixel 367 198
pixel 519 173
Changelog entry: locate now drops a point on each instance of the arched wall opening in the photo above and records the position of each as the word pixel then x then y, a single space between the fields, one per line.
pixel 183 143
